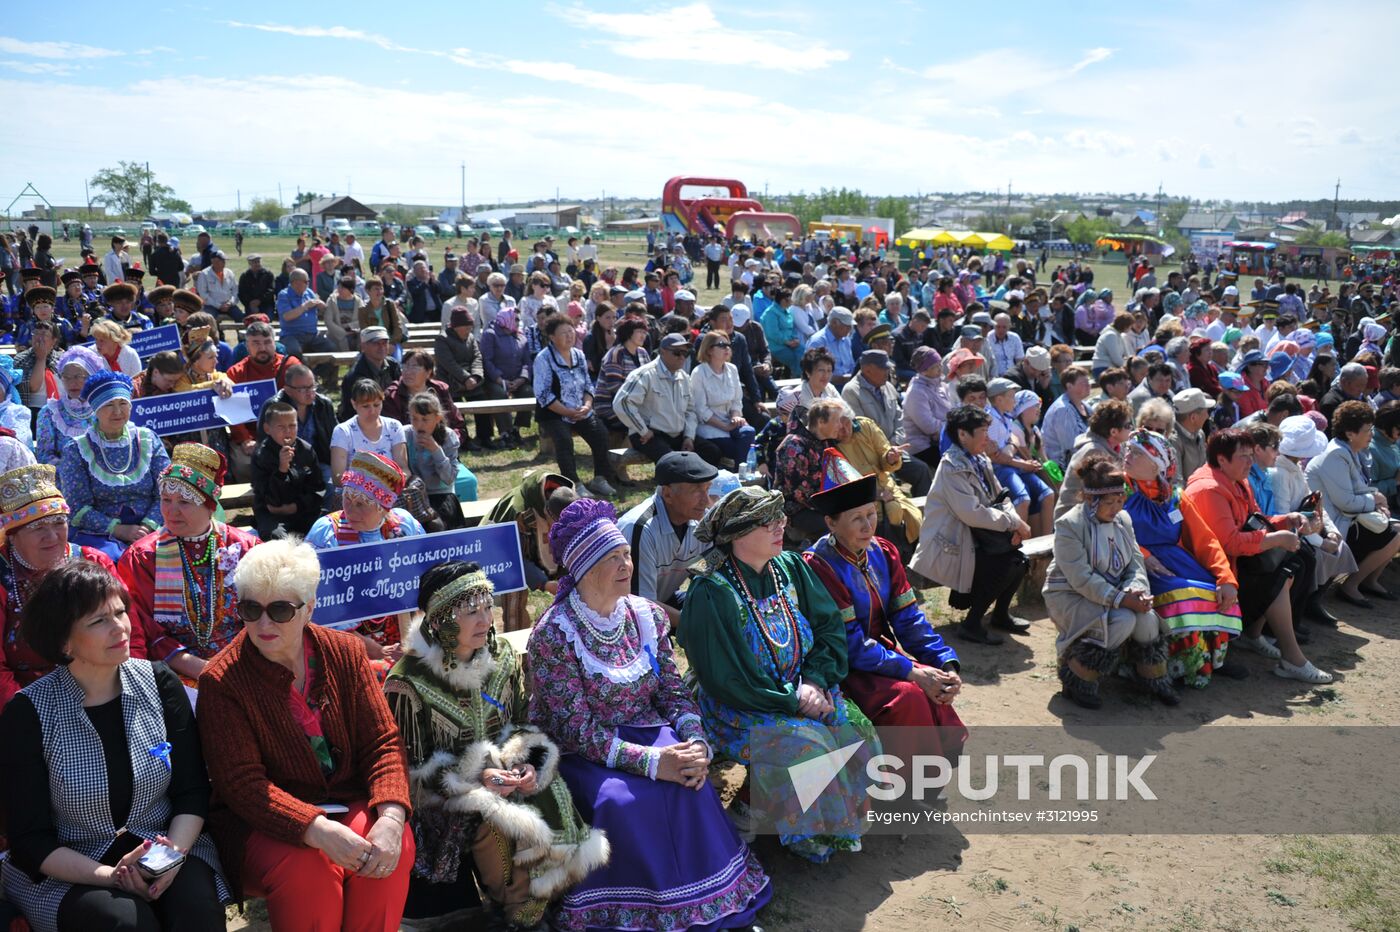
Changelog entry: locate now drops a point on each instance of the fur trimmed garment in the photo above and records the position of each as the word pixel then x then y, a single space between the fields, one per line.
pixel 458 721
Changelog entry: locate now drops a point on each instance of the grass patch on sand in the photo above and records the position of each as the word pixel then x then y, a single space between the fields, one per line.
pixel 1360 876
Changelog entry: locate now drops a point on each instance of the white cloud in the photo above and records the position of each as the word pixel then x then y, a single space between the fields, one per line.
pixel 694 33
pixel 38 67
pixel 1091 57
pixel 331 32
pixel 53 49
pixel 1204 159
pixel 1350 136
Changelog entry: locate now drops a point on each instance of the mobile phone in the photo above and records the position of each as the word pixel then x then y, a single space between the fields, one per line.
pixel 160 859
pixel 1310 502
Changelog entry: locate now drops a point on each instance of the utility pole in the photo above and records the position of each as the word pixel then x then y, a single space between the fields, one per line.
pixel 150 205
pixel 1008 206
pixel 238 196
pixel 88 198
pixel 1336 194
pixel 1159 208
pixel 279 194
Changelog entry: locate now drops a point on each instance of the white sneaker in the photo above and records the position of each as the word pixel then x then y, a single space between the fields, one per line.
pixel 1307 673
pixel 600 486
pixel 1259 645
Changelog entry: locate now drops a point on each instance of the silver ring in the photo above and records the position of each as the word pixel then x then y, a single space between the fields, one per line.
pixel 364 857
pixel 498 781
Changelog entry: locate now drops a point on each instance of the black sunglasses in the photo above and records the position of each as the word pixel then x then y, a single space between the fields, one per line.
pixel 721 346
pixel 280 611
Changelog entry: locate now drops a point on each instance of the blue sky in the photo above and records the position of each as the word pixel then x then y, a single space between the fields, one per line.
pixel 1246 100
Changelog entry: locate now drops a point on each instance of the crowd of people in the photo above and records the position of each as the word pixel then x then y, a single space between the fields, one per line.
pixel 834 435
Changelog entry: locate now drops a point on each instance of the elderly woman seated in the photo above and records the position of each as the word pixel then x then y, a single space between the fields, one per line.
pixel 1280 487
pixel 34 518
pixel 864 445
pixel 768 646
pixel 604 686
pixel 371 486
pixel 1110 423
pixel 971 536
pixel 1193 585
pixel 103 774
pixel 482 778
pixel 798 466
pixel 1097 592
pixel 1360 512
pixel 311 789
pixel 111 474
pixel 1273 572
pixel 901 672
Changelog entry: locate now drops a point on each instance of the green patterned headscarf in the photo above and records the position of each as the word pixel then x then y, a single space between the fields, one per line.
pixel 739 512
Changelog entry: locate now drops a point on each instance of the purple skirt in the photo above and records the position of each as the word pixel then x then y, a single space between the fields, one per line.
pixel 677 862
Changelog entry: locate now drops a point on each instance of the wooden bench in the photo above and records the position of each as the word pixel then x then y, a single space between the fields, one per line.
pixel 1038 550
pixel 475 512
pixel 236 495
pixel 500 406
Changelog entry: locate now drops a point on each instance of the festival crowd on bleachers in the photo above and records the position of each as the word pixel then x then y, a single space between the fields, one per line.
pixel 1202 470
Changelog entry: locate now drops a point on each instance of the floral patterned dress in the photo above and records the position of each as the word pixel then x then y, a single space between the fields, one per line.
pixel 606 689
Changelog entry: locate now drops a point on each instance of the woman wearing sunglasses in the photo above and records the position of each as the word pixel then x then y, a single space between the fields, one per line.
pixel 181 602
pixel 321 835
pixel 34 518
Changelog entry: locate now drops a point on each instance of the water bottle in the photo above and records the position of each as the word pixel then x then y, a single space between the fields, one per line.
pixel 750 465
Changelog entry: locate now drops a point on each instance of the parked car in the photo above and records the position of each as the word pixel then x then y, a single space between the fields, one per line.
pixel 446 229
pixel 368 226
pixel 193 230
pixel 338 225
pixel 257 229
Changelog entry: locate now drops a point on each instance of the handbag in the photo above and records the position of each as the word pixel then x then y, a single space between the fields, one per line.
pixel 991 542
pixel 1266 563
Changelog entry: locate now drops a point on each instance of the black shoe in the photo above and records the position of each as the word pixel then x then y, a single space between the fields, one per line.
pixel 1161 688
pixel 471 446
pixel 1379 592
pixel 1356 600
pixel 1010 623
pixel 1232 671
pixel 979 635
pixel 1315 611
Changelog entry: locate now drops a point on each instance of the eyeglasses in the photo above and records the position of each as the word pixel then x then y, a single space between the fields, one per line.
pixel 280 611
pixel 721 346
pixel 301 388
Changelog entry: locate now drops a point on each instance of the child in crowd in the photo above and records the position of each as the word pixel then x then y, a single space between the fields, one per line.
pixel 432 457
pixel 287 483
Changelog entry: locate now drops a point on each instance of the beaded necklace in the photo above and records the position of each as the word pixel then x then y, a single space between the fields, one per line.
pixel 107 464
pixel 771 615
pixel 202 616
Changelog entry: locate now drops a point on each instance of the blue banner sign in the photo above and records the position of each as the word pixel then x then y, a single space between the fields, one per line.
pixel 158 339
pixel 185 412
pixel 381 578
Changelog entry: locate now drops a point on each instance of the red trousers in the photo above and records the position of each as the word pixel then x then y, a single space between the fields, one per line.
pixel 911 723
pixel 308 892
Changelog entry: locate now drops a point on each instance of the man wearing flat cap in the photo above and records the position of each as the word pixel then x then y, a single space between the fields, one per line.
pixel 871 394
pixel 661 529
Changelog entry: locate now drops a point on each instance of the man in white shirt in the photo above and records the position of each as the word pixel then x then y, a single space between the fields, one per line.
pixel 354 253
pixel 217 286
pixel 714 255
pixel 1003 349
pixel 661 529
pixel 112 262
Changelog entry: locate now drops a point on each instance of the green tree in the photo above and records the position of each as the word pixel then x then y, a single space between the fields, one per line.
pixel 129 189
pixel 1323 238
pixel 176 205
pixel 265 210
pixel 1083 231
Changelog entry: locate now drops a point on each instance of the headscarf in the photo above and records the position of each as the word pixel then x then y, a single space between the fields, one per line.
pixel 440 621
pixel 586 532
pixel 1157 449
pixel 375 476
pixel 1025 400
pixel 737 513
pixel 508 320
pixel 926 358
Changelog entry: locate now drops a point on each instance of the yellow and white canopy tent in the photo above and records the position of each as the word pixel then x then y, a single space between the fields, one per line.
pixel 910 242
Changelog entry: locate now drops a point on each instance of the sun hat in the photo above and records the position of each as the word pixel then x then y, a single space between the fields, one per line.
pixel 1301 438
